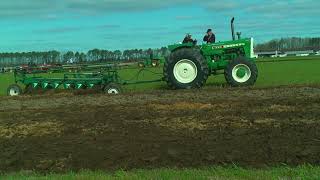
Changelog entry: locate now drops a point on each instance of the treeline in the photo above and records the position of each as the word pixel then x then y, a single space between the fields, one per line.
pixel 290 44
pixel 100 55
pixel 94 55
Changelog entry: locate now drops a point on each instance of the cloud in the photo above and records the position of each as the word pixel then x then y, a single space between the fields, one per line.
pixel 22 8
pixel 50 8
pixel 122 5
pixel 61 30
pixel 184 17
pixel 74 29
pixel 276 8
pixel 222 6
pixel 109 26
pixel 150 29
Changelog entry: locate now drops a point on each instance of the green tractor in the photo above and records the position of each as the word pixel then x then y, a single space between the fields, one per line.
pixel 189 66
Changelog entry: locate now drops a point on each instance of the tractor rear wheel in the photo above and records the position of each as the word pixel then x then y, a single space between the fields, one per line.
pixel 112 88
pixel 14 90
pixel 185 69
pixel 241 72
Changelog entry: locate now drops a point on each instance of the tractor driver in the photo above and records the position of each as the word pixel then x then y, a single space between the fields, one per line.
pixel 209 37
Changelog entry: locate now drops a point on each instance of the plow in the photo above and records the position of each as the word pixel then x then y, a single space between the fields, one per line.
pixel 188 66
pixel 106 80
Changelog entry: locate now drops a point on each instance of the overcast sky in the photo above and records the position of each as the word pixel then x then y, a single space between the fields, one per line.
pixel 80 25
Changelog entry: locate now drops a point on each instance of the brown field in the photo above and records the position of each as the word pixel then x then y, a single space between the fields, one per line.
pixel 193 128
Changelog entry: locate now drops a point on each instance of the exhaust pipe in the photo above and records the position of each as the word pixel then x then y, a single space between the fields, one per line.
pixel 232 29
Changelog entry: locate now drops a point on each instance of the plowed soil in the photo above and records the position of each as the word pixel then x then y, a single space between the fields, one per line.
pixel 193 128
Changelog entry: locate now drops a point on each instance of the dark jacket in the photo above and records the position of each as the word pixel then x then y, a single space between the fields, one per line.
pixel 187 40
pixel 209 39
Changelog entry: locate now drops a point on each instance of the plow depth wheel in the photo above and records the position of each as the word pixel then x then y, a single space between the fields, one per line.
pixel 112 88
pixel 14 90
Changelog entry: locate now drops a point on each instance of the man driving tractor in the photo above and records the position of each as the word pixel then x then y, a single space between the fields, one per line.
pixel 209 37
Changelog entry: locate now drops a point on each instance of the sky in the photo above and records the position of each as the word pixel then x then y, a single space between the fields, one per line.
pixel 81 25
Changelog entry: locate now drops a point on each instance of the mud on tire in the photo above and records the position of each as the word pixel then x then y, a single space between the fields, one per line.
pixel 195 59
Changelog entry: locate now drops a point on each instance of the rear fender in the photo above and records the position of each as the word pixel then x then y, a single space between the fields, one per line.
pixel 175 47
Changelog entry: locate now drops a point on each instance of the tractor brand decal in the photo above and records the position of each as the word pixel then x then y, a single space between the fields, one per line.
pixel 228 46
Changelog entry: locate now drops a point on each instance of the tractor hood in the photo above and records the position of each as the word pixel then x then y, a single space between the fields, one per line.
pixel 246 43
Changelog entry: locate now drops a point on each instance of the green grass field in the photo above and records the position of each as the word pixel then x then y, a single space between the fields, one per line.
pixel 298 71
pixel 302 172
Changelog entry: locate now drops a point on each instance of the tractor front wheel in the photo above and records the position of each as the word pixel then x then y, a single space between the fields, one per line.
pixel 185 69
pixel 241 72
pixel 14 90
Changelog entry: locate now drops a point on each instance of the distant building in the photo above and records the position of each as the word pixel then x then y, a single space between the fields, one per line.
pixel 70 61
pixel 285 54
pixel 266 54
pixel 269 54
pixel 8 69
pixel 282 55
pixel 299 53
